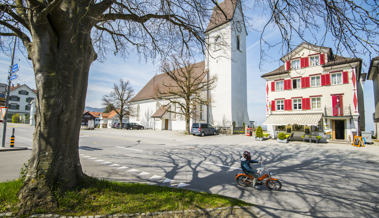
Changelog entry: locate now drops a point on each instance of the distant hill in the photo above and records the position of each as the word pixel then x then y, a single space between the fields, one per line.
pixel 94 109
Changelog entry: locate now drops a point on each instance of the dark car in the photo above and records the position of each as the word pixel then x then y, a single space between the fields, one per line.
pixel 133 126
pixel 203 129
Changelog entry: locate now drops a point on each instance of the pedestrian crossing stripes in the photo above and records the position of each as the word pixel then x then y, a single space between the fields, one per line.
pixel 155 178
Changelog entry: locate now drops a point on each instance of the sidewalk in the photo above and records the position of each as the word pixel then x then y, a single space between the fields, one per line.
pixel 12 149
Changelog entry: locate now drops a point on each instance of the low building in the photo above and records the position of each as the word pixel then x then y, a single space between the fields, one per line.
pixel 108 119
pixel 20 97
pixel 315 93
pixel 373 75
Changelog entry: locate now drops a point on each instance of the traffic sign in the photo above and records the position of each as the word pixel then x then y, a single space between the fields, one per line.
pixel 15 68
pixel 13 77
pixel 3 112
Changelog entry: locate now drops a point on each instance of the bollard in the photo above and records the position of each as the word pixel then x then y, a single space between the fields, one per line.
pixel 12 139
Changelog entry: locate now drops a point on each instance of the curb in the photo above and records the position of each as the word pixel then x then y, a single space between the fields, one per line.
pixel 12 149
pixel 246 211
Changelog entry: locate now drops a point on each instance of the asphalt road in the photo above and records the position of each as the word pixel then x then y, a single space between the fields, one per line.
pixel 319 180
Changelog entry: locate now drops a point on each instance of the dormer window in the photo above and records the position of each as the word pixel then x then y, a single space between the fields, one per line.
pixel 315 60
pixel 295 64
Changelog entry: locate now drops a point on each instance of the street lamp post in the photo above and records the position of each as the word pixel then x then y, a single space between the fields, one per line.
pixel 7 97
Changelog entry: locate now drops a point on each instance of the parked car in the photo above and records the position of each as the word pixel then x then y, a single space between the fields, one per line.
pixel 133 126
pixel 203 129
pixel 117 125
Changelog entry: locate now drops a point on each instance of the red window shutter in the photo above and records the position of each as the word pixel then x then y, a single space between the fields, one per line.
pixel 322 79
pixel 306 60
pixel 272 86
pixel 303 103
pixel 285 84
pixel 308 81
pixel 273 105
pixel 322 59
pixel 288 65
pixel 303 82
pixel 289 85
pixel 341 104
pixel 289 104
pixel 327 79
pixel 345 77
pixel 334 105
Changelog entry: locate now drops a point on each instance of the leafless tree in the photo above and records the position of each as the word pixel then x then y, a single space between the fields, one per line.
pixel 186 88
pixel 353 26
pixel 119 99
pixel 62 38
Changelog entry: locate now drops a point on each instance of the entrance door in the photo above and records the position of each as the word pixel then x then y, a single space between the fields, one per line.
pixel 339 129
pixel 166 124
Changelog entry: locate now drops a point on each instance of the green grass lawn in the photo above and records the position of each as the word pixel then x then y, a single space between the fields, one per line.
pixel 99 197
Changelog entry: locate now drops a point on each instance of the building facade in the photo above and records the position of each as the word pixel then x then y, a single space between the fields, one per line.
pixel 20 97
pixel 226 60
pixel 315 93
pixel 373 75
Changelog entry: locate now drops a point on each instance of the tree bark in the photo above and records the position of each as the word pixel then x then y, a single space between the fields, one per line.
pixel 61 60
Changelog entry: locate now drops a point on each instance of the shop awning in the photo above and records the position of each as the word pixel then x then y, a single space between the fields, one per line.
pixel 160 112
pixel 291 119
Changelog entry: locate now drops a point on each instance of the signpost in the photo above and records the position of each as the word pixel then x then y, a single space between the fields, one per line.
pixel 13 77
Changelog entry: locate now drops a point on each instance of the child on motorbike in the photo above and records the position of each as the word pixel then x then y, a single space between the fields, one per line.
pixel 246 167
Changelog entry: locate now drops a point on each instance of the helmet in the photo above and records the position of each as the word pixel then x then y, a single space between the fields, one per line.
pixel 247 155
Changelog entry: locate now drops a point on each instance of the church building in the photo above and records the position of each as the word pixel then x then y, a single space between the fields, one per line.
pixel 225 59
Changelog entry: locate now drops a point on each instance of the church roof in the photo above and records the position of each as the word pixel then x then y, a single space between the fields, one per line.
pixel 222 13
pixel 151 89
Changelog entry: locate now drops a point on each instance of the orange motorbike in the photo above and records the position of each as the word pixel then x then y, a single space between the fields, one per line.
pixel 271 183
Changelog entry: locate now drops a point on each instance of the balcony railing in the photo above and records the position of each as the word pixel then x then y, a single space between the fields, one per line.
pixel 337 112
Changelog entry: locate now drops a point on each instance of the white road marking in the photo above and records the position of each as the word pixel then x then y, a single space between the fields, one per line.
pixel 132 170
pixel 182 184
pixel 155 177
pixel 168 181
pixel 86 156
pixel 115 165
pixel 123 167
pixel 132 149
pixel 99 160
pixel 93 158
pixel 107 162
pixel 143 173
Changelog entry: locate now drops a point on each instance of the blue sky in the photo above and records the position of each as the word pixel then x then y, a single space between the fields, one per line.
pixel 102 76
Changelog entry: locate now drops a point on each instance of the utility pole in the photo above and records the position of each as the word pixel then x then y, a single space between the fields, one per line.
pixel 8 90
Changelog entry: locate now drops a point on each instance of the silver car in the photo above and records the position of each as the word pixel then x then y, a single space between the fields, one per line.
pixel 203 129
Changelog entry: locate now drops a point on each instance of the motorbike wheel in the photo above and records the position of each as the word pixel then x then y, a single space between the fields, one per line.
pixel 243 181
pixel 273 184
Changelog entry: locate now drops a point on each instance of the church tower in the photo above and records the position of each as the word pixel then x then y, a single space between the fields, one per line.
pixel 226 59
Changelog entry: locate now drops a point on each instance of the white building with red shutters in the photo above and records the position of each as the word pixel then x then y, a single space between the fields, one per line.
pixel 315 92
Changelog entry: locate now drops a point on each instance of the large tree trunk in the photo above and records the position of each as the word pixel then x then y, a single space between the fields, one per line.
pixel 61 60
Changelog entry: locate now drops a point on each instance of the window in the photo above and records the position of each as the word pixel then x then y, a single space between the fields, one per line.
pixel 296 103
pixel 316 103
pixel 315 81
pixel 29 100
pixel 315 60
pixel 23 92
pixel 296 83
pixel 279 105
pixel 279 85
pixel 336 78
pixel 27 107
pixel 14 106
pixel 238 43
pixel 14 98
pixel 295 64
pixel 217 43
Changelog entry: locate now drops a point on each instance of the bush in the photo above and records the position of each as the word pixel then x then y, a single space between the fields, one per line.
pixel 282 136
pixel 259 132
pixel 16 118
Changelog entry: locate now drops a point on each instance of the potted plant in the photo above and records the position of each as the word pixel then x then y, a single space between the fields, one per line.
pixel 282 137
pixel 259 133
